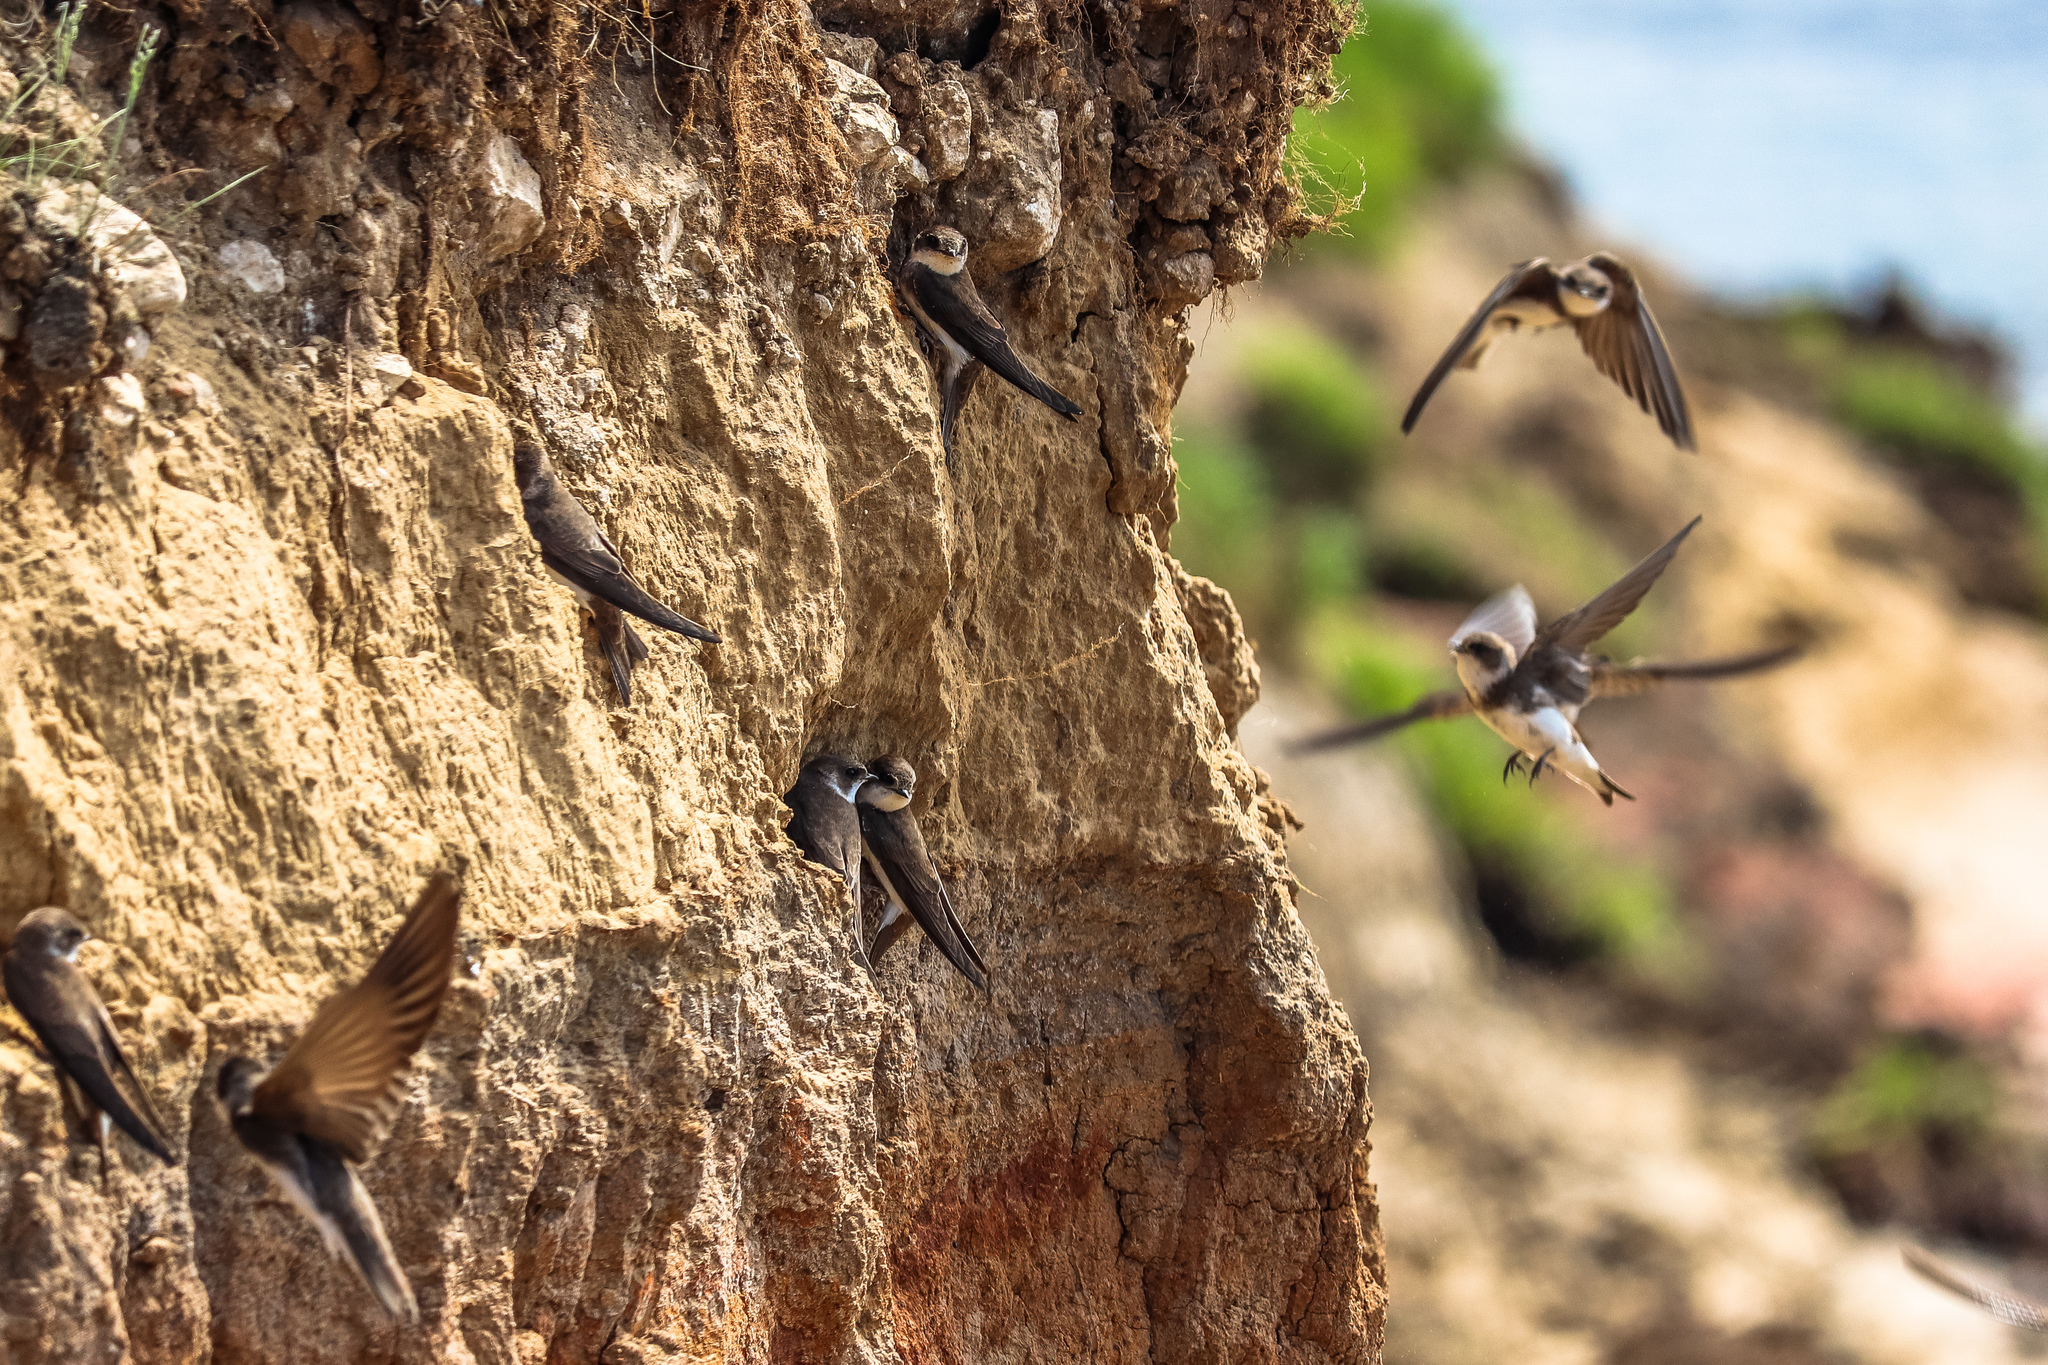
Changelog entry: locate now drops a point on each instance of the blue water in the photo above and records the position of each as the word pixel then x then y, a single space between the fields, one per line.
pixel 1763 146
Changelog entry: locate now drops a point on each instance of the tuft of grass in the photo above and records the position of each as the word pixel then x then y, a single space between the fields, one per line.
pixel 1421 105
pixel 93 156
pixel 1907 1088
pixel 1622 910
pixel 1316 418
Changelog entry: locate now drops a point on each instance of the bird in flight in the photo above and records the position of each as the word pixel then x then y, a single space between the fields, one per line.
pixel 1528 686
pixel 327 1105
pixel 1599 299
pixel 958 334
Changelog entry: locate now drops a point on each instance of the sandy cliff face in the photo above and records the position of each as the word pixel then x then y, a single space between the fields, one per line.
pixel 276 647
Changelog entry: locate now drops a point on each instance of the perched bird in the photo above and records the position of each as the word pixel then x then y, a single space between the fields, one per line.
pixel 1599 299
pixel 2007 1307
pixel 45 985
pixel 1528 686
pixel 827 827
pixel 583 559
pixel 958 334
pixel 895 850
pixel 331 1100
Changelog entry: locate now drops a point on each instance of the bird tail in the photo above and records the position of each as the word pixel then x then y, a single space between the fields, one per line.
pixel 1611 789
pixel 1011 367
pixel 370 1250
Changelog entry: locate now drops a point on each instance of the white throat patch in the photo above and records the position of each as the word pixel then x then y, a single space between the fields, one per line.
pixel 938 263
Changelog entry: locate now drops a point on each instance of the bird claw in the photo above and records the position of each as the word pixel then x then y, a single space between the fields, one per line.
pixel 1514 765
pixel 1536 768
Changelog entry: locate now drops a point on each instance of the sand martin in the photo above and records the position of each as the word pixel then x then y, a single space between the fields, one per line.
pixel 2006 1306
pixel 895 850
pixel 1598 299
pixel 1529 685
pixel 958 334
pixel 331 1100
pixel 583 559
pixel 827 827
pixel 46 987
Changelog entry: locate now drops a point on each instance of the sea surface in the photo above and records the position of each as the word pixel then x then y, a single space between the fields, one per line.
pixel 1768 146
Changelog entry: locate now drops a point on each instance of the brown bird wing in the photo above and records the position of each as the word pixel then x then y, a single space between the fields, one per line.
pixel 1574 632
pixel 1435 706
pixel 2007 1307
pixel 339 1082
pixel 1618 680
pixel 1521 278
pixel 895 845
pixel 1628 347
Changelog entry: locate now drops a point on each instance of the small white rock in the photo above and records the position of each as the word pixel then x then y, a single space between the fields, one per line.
pixel 121 400
pixel 510 189
pixel 133 257
pixel 391 373
pixel 254 264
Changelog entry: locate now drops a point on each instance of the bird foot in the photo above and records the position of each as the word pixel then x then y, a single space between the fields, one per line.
pixel 1536 768
pixel 1514 765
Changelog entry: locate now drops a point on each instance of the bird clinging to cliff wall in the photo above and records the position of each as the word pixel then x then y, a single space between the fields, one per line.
pixel 958 334
pixel 331 1100
pixel 46 987
pixel 583 559
pixel 1529 685
pixel 1599 299
pixel 826 826
pixel 894 848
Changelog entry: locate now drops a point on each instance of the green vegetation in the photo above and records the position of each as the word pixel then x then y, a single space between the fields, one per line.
pixel 1316 419
pixel 1419 105
pixel 92 155
pixel 1918 410
pixel 1619 908
pixel 1907 1089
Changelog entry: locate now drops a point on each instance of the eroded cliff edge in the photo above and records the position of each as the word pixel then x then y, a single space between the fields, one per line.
pixel 273 650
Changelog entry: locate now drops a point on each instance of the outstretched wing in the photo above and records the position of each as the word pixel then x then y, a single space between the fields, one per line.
pixel 1575 632
pixel 2007 1307
pixel 1628 347
pixel 1435 706
pixel 1617 680
pixel 339 1083
pixel 1510 615
pixel 1518 280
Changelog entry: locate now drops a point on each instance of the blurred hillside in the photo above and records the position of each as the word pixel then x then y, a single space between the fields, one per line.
pixel 1829 890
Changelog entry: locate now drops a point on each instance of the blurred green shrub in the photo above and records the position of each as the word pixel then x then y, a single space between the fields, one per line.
pixel 1420 105
pixel 1315 416
pixel 1909 1088
pixel 1921 412
pixel 1226 526
pixel 1919 409
pixel 1617 908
